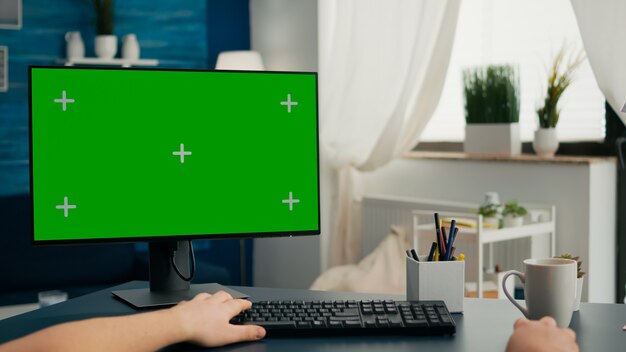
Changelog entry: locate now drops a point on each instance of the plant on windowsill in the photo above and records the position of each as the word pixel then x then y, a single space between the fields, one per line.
pixel 513 214
pixel 560 77
pixel 492 110
pixel 579 277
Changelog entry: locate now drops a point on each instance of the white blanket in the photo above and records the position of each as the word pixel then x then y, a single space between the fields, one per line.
pixel 382 271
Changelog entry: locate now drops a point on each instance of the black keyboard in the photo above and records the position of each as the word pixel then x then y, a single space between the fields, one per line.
pixel 367 317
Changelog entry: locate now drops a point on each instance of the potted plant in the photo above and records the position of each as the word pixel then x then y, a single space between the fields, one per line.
pixel 490 214
pixel 513 214
pixel 560 74
pixel 106 42
pixel 492 110
pixel 579 277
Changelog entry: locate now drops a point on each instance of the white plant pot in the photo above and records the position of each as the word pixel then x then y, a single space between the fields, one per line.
pixel 491 222
pixel 106 46
pixel 579 292
pixel 513 221
pixel 493 138
pixel 545 142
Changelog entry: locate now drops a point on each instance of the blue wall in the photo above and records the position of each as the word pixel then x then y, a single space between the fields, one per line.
pixel 181 34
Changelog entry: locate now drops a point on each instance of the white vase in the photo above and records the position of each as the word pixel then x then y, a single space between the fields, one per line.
pixel 106 46
pixel 579 292
pixel 513 221
pixel 130 47
pixel 75 48
pixel 545 142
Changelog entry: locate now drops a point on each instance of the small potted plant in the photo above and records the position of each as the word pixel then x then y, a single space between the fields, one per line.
pixel 490 214
pixel 106 42
pixel 492 110
pixel 513 214
pixel 560 74
pixel 579 277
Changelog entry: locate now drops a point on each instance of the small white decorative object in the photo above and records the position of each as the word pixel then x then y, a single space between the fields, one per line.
pixel 75 48
pixel 491 198
pixel 545 143
pixel 492 138
pixel 130 47
pixel 4 68
pixel 106 46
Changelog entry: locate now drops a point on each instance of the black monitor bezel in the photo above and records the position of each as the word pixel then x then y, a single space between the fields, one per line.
pixel 181 237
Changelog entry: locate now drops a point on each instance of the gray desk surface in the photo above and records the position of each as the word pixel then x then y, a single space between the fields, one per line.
pixel 485 325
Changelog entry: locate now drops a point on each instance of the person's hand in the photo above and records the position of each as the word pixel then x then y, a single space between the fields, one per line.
pixel 205 320
pixel 541 335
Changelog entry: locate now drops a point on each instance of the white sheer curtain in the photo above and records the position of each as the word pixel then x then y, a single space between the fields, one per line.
pixel 382 66
pixel 602 25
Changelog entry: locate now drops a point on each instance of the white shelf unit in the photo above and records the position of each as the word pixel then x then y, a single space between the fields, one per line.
pixel 94 61
pixel 424 228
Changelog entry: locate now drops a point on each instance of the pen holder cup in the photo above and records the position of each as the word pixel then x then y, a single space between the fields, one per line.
pixel 427 281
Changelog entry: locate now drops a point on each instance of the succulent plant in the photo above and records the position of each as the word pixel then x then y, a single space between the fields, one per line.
pixel 579 263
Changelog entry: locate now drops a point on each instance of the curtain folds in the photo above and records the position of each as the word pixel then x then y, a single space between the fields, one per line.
pixel 382 65
pixel 602 25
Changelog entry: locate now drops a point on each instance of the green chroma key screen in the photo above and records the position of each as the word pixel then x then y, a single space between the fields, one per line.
pixel 137 154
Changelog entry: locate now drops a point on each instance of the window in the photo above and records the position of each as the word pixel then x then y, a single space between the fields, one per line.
pixel 526 33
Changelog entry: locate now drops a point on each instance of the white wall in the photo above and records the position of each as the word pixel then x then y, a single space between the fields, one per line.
pixel 584 195
pixel 285 33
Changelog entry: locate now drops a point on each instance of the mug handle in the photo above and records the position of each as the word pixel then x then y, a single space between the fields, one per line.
pixel 522 278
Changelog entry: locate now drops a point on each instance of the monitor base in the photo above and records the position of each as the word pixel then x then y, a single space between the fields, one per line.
pixel 143 298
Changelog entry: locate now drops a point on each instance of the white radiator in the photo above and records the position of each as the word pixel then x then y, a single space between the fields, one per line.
pixel 379 212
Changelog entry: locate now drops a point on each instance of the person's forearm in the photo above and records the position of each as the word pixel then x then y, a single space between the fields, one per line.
pixel 140 332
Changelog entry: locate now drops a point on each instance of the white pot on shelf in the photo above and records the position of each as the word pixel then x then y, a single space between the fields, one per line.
pixel 492 222
pixel 513 221
pixel 106 46
pixel 492 138
pixel 546 142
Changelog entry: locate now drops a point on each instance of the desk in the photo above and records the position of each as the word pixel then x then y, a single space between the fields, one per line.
pixel 485 325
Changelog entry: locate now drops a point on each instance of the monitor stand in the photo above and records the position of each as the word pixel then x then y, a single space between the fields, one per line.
pixel 166 287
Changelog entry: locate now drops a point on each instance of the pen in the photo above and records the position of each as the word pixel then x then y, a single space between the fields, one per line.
pixel 408 253
pixel 442 244
pixel 431 254
pixel 414 254
pixel 453 231
pixel 437 232
pixel 461 257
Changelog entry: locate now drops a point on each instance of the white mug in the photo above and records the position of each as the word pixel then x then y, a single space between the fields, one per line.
pixel 549 289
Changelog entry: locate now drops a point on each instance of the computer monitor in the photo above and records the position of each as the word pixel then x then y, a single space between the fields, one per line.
pixel 167 156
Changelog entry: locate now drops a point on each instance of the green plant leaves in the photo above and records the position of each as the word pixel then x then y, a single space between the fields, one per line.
pixel 491 94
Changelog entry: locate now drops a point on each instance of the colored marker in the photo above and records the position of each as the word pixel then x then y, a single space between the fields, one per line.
pixel 453 231
pixel 431 254
pixel 442 244
pixel 414 254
